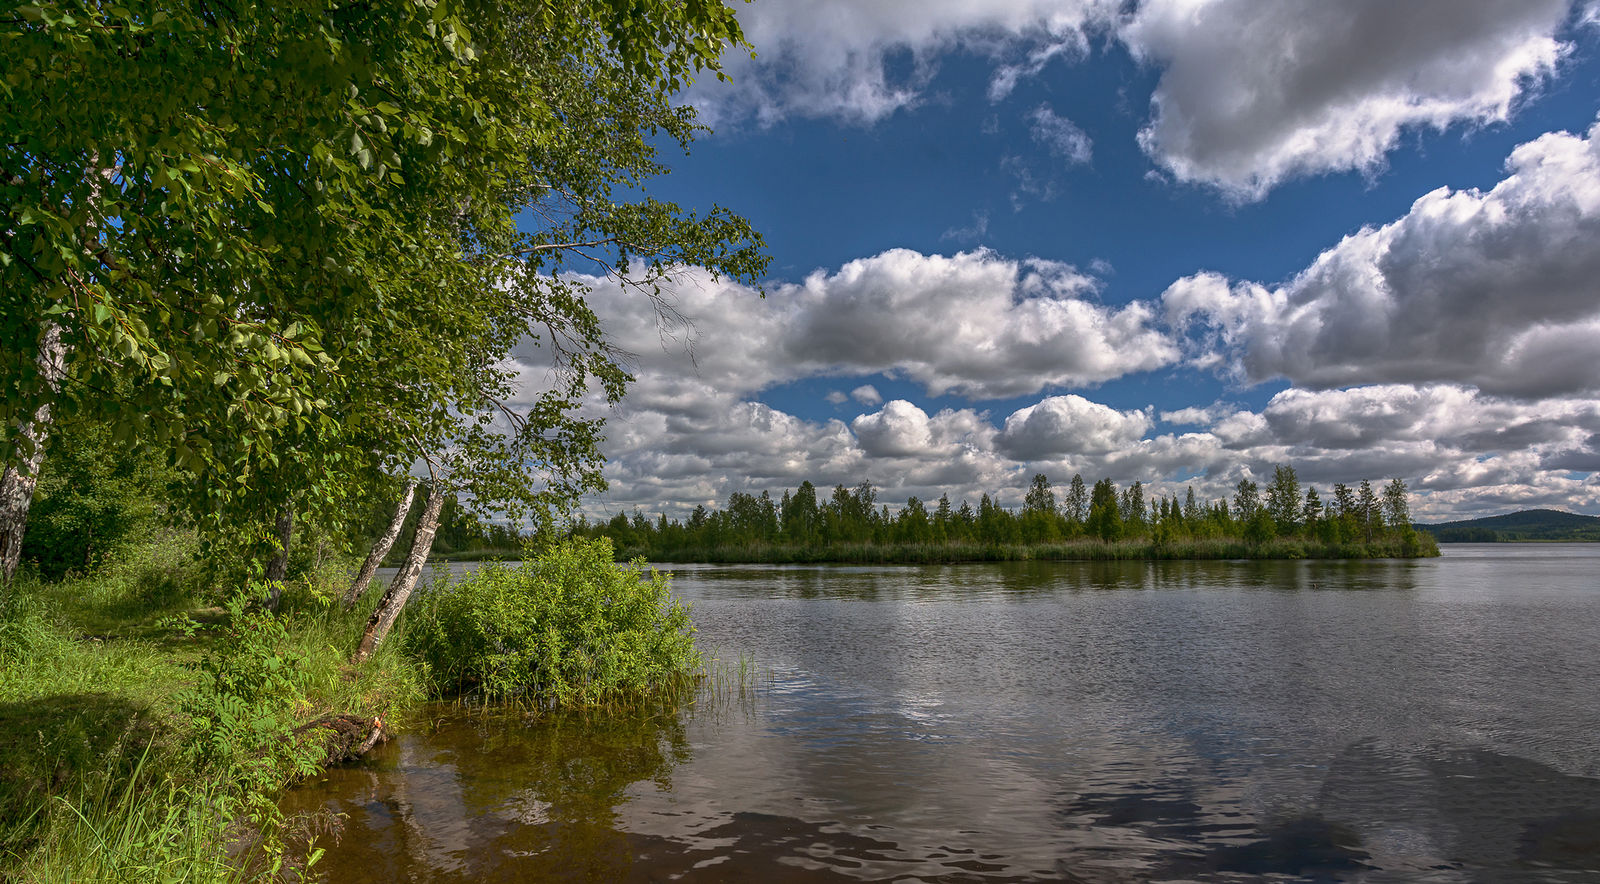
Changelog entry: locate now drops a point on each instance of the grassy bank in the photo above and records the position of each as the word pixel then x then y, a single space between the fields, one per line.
pixel 148 722
pixel 1421 546
pixel 144 729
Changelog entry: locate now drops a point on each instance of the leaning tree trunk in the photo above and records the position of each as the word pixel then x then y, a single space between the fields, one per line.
pixel 19 479
pixel 278 565
pixel 382 547
pixel 382 619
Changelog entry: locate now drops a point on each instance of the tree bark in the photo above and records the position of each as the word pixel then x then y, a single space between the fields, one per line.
pixel 19 480
pixel 382 619
pixel 278 565
pixel 382 547
pixel 345 737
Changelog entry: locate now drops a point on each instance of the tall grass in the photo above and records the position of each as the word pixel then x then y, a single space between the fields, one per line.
pixel 168 832
pixel 725 681
pixel 321 635
pixel 104 698
pixel 77 714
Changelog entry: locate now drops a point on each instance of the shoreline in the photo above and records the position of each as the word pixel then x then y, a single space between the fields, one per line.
pixel 1072 551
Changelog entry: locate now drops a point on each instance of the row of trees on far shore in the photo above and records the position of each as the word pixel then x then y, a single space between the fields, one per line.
pixel 1282 510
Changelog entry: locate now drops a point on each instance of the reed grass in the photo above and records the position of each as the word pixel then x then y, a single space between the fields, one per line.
pixel 737 680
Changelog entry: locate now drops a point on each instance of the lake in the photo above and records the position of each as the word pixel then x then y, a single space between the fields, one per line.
pixel 1424 720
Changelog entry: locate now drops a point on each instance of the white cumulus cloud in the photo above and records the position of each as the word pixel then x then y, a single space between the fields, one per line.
pixel 1499 290
pixel 867 394
pixel 1252 93
pixel 902 429
pixel 975 324
pixel 833 58
pixel 1067 425
pixel 1463 452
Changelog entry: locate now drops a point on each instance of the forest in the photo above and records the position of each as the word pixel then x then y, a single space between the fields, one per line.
pixel 1527 526
pixel 1283 519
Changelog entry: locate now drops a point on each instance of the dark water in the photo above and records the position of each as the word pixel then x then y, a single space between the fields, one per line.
pixel 1363 721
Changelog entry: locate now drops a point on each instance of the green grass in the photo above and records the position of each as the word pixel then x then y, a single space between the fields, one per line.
pixel 99 774
pixel 156 832
pixel 87 686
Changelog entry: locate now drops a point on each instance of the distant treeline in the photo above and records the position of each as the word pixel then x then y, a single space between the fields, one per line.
pixel 1283 520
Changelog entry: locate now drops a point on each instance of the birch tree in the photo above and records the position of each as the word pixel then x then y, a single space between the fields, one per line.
pixel 322 229
pixel 381 548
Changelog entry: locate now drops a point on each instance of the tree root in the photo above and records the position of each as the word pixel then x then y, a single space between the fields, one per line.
pixel 346 737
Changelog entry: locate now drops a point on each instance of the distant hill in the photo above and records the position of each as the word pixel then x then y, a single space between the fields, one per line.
pixel 1528 525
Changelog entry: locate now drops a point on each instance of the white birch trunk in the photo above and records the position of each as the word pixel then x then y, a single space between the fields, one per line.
pixel 382 547
pixel 394 600
pixel 19 480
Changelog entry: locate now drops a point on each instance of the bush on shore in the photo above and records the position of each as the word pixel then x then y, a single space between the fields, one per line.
pixel 566 627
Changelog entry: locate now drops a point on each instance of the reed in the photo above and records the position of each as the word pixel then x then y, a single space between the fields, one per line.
pixel 731 681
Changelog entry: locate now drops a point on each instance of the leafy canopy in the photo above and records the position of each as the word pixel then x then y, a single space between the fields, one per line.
pixel 293 245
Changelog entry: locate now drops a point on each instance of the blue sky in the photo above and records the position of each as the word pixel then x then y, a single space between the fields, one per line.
pixel 1177 241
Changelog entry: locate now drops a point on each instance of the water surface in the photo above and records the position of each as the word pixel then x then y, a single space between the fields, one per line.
pixel 1433 720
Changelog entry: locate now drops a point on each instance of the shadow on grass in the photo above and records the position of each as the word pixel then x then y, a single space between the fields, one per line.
pixel 82 747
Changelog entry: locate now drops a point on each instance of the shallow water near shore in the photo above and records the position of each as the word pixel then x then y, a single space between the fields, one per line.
pixel 1422 720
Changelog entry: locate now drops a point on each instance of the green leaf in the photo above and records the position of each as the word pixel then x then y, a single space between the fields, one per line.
pixel 572 100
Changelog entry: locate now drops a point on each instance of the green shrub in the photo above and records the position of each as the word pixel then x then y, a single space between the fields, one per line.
pixel 93 498
pixel 567 628
pixel 244 706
